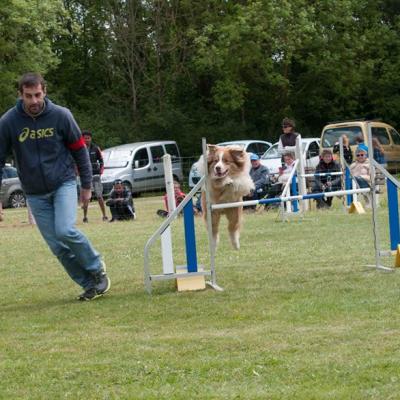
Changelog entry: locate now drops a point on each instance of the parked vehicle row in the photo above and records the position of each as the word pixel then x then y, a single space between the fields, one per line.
pixel 272 159
pixel 140 166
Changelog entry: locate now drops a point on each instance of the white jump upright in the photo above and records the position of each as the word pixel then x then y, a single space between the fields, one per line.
pixel 190 276
pixel 166 239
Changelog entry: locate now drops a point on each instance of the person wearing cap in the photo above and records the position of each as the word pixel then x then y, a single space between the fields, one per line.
pixel 121 203
pixel 260 175
pixel 96 159
pixel 360 169
pixel 326 183
pixel 287 140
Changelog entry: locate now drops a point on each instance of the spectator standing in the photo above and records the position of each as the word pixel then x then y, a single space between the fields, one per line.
pixel 121 203
pixel 347 153
pixel 47 144
pixel 379 152
pixel 287 140
pixel 96 159
pixel 326 183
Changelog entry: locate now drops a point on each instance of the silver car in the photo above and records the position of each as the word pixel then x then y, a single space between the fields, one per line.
pixel 11 193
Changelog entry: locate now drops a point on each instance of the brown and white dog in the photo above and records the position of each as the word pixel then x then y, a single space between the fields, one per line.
pixel 228 181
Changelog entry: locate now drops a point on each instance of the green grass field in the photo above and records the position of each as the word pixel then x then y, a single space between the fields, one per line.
pixel 300 317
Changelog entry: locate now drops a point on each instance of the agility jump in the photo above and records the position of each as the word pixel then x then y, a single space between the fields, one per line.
pixel 192 270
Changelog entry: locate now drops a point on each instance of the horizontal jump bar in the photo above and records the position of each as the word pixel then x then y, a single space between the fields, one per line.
pixel 289 198
pixel 321 174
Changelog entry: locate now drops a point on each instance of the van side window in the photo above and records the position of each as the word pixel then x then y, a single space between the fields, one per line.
pixel 141 157
pixel 381 134
pixel 395 136
pixel 157 152
pixel 172 150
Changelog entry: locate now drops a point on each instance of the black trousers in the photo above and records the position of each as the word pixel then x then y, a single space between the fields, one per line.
pixel 121 212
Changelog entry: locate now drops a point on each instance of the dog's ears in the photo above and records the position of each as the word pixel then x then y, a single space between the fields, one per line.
pixel 211 149
pixel 238 155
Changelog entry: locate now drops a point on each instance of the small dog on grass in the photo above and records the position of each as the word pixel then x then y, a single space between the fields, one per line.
pixel 228 182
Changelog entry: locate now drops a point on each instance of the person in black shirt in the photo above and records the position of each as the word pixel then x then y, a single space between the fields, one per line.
pixel 96 159
pixel 326 183
pixel 121 203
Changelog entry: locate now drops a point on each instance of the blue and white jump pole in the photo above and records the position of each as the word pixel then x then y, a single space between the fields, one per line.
pixel 192 267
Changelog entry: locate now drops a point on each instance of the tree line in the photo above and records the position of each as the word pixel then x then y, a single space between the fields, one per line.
pixel 133 70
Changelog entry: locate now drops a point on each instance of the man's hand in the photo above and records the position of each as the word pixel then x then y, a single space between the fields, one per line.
pixel 86 195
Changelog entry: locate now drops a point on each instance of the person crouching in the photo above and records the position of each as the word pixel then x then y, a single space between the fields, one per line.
pixel 121 203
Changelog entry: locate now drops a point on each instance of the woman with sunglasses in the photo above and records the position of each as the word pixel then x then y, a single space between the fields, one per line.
pixel 360 168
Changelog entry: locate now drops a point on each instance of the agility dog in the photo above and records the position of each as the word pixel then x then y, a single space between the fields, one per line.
pixel 228 181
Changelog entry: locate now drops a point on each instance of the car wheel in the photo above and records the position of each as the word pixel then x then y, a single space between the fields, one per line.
pixel 17 200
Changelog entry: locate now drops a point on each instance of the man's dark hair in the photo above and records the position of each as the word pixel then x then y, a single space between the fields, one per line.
pixel 86 133
pixel 31 79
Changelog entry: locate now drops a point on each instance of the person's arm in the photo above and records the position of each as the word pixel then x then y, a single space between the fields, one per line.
pixel 262 179
pixel 179 198
pixel 111 199
pixel 366 173
pixel 100 159
pixel 280 147
pixel 127 197
pixel 76 145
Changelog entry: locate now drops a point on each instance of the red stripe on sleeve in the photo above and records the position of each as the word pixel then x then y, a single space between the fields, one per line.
pixel 77 145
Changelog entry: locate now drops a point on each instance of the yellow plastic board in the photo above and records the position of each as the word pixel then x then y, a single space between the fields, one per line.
pixel 356 208
pixel 397 258
pixel 187 283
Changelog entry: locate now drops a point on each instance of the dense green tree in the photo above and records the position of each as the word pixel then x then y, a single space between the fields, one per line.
pixel 182 69
pixel 28 29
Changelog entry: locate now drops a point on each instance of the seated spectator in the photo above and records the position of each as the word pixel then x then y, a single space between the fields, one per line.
pixel 260 176
pixel 283 177
pixel 360 169
pixel 326 183
pixel 121 203
pixel 347 153
pixel 379 152
pixel 179 196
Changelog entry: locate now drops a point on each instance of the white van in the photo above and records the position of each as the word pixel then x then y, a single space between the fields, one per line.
pixel 140 165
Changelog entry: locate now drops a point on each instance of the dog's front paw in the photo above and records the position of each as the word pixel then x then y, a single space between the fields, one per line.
pixel 235 240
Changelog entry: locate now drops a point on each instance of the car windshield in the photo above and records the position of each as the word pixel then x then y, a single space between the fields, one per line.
pixel 331 136
pixel 272 152
pixel 116 158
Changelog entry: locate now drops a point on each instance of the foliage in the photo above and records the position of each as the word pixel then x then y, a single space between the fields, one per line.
pixel 28 29
pixel 183 69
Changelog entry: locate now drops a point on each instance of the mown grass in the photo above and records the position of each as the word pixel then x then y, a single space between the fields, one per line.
pixel 300 317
